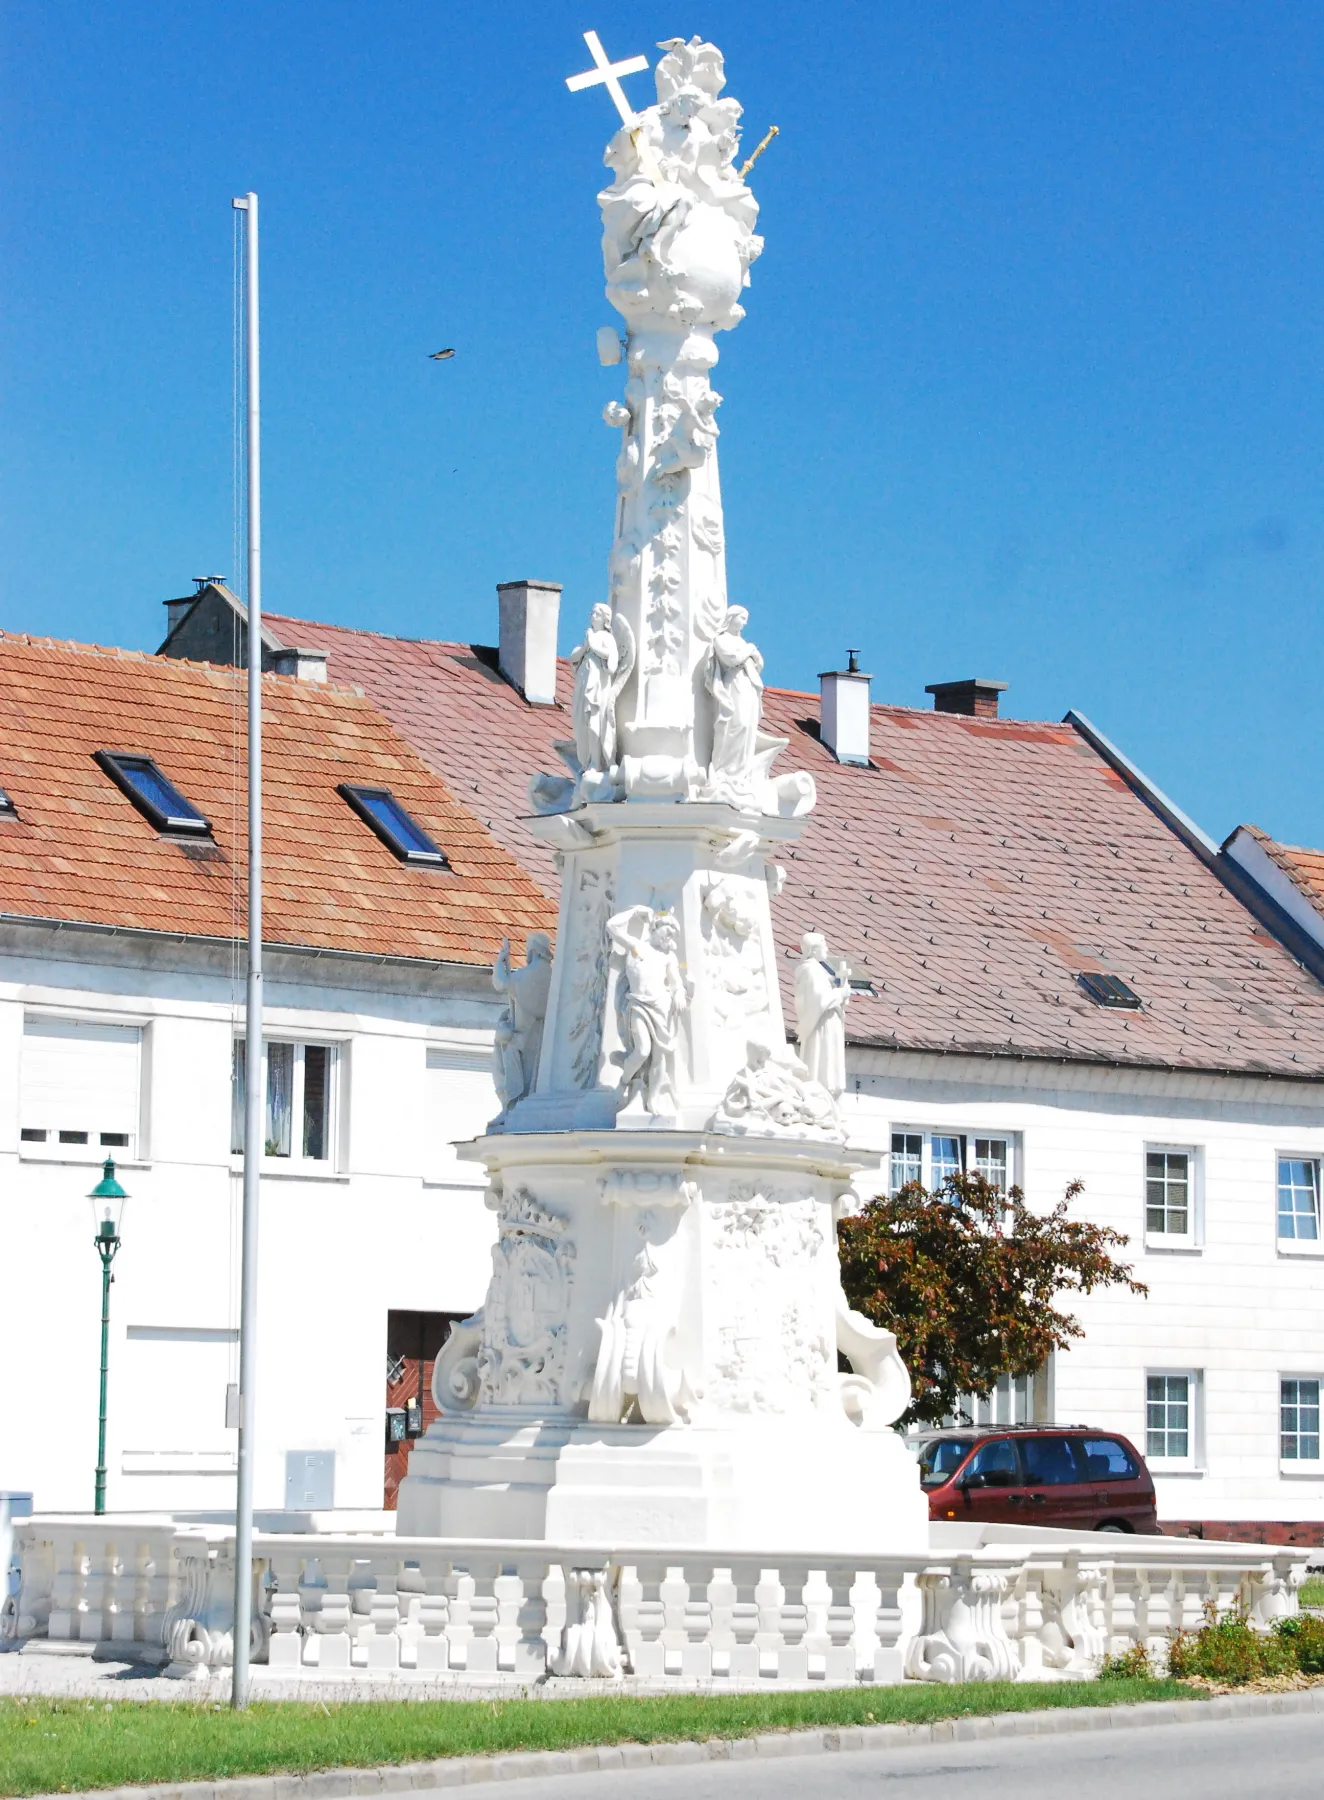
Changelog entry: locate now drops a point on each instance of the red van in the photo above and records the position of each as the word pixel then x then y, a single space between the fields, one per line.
pixel 1069 1476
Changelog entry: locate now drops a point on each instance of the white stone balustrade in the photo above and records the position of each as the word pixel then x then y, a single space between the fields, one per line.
pixel 988 1603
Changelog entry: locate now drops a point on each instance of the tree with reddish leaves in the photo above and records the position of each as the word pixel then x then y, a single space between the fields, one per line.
pixel 967 1277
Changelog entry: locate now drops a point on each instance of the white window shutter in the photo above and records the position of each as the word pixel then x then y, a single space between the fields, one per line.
pixel 78 1076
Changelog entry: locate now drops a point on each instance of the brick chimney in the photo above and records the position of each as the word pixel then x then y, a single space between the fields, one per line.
pixel 526 652
pixel 843 711
pixel 977 698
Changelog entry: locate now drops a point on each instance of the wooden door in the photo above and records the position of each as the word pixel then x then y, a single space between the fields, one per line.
pixel 412 1342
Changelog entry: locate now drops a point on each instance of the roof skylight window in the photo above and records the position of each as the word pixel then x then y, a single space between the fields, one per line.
pixel 1108 990
pixel 7 808
pixel 154 794
pixel 403 835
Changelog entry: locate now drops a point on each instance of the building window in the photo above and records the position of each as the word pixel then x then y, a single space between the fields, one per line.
pixel 300 1099
pixel 1298 1199
pixel 936 1156
pixel 946 1158
pixel 398 829
pixel 154 794
pixel 1170 1195
pixel 1298 1419
pixel 907 1158
pixel 79 1089
pixel 991 1161
pixel 1170 1417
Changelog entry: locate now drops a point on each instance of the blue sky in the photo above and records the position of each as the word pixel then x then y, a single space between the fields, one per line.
pixel 1030 385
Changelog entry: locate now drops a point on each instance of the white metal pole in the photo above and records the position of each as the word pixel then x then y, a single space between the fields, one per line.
pixel 253 1063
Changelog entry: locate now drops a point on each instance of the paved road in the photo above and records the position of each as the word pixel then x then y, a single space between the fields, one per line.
pixel 1250 1759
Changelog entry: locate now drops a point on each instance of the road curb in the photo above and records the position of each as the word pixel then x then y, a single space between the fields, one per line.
pixel 467 1771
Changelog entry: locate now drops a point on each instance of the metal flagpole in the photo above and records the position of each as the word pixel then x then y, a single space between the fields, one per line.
pixel 253 1060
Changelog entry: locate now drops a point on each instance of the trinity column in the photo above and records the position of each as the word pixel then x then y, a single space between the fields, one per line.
pixel 656 1359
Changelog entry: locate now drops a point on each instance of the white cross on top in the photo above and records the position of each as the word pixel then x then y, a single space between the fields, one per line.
pixel 609 74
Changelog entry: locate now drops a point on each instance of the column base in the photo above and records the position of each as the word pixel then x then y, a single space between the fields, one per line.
pixel 803 1486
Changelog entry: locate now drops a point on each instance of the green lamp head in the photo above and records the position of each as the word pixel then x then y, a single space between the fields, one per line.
pixel 108 1199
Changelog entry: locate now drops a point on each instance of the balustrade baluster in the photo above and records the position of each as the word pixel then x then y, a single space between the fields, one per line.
pixel 884 1665
pixel 528 1653
pixel 99 1582
pixel 768 1598
pixel 285 1650
pixel 434 1615
pixel 721 1599
pixel 1023 1619
pixel 382 1639
pixel 643 1617
pixel 696 1655
pixel 674 1593
pixel 746 1618
pixel 481 1653
pixel 838 1627
pixel 792 1624
pixel 69 1589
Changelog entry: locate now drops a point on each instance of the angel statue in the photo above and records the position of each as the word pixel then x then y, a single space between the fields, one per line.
pixel 602 665
pixel 655 996
pixel 733 675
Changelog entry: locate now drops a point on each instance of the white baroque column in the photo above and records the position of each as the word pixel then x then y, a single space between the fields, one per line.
pixel 656 1358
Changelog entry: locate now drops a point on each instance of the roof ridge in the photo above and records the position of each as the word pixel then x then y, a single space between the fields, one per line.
pixel 393 637
pixel 153 659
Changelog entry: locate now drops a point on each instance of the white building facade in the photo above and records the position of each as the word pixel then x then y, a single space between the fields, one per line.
pixel 121 1046
pixel 1215 1182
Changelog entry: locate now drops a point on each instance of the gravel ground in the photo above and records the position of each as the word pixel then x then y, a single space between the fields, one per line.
pixel 71 1672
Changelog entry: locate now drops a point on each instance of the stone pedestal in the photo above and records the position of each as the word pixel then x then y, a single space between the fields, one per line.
pixel 809 1488
pixel 656 1361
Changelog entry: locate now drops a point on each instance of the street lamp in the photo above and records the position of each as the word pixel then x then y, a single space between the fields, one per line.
pixel 107 1199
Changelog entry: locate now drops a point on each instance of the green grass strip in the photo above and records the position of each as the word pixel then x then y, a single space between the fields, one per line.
pixel 1312 1593
pixel 65 1746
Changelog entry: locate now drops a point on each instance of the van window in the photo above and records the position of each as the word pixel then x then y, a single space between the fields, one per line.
pixel 1049 1462
pixel 1106 1460
pixel 940 1458
pixel 996 1462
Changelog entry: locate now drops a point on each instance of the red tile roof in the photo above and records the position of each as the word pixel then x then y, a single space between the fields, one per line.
pixel 1303 868
pixel 80 850
pixel 972 873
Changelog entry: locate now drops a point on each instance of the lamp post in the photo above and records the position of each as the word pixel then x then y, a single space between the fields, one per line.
pixel 107 1199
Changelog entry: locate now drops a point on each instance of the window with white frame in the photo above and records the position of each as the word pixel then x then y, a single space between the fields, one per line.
pixel 299 1116
pixel 935 1156
pixel 1170 1196
pixel 1172 1399
pixel 461 1103
pixel 1298 1419
pixel 1298 1199
pixel 79 1089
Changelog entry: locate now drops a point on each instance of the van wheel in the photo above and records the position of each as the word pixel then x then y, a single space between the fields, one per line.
pixel 1114 1525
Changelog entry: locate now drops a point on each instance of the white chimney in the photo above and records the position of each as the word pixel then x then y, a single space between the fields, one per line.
pixel 302 663
pixel 526 652
pixel 844 712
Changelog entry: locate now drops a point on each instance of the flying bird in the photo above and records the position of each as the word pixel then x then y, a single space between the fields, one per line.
pixel 440 355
